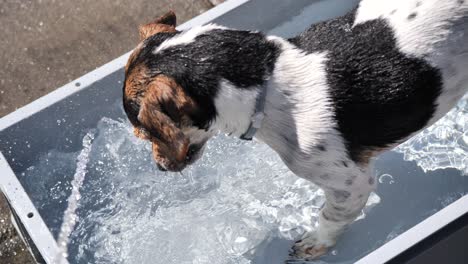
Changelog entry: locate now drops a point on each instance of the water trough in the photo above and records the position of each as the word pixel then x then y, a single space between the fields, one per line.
pixel 130 213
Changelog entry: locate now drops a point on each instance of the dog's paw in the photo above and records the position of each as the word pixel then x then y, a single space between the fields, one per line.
pixel 309 247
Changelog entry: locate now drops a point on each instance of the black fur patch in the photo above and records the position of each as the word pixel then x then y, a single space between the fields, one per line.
pixel 338 208
pixel 412 16
pixel 244 58
pixel 341 196
pixel 321 147
pixel 379 94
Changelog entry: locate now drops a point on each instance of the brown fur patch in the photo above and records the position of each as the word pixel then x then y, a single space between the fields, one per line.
pixel 160 111
pixel 133 56
pixel 164 111
pixel 151 29
pixel 165 23
pixel 136 83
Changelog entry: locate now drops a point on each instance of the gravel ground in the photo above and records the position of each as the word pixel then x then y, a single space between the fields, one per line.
pixel 48 43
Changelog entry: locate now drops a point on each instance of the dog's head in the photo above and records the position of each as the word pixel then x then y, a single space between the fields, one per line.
pixel 160 110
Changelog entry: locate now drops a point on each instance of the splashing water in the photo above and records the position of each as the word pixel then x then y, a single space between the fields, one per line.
pixel 219 211
pixel 70 217
pixel 444 144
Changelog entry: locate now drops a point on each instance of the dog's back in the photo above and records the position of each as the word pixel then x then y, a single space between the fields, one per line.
pixel 394 67
pixel 434 30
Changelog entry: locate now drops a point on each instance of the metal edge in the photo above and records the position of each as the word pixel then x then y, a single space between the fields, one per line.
pixel 417 233
pixel 86 80
pixel 26 213
pixel 23 234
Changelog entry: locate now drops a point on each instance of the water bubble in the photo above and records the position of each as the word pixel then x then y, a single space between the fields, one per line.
pixel 386 178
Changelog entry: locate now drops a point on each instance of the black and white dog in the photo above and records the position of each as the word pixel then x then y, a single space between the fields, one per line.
pixel 326 101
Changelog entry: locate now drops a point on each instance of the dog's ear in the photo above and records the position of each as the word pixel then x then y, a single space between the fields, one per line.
pixel 165 23
pixel 169 19
pixel 162 113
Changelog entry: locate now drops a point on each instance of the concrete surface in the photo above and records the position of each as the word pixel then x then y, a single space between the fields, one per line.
pixel 12 248
pixel 47 43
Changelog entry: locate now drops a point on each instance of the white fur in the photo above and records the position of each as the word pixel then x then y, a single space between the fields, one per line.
pixel 235 108
pixel 187 36
pixel 310 104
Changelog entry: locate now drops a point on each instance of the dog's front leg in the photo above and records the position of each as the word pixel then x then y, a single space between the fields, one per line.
pixel 342 207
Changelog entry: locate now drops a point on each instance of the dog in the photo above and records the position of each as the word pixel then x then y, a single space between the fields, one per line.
pixel 327 101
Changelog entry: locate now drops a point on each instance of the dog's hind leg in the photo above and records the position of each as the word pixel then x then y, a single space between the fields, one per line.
pixel 343 205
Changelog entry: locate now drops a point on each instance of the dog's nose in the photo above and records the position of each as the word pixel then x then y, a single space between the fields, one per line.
pixel 161 168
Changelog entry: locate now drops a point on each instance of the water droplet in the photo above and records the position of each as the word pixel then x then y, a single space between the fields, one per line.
pixel 386 178
pixel 240 240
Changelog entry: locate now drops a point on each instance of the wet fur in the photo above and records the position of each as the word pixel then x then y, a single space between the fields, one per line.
pixel 337 95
